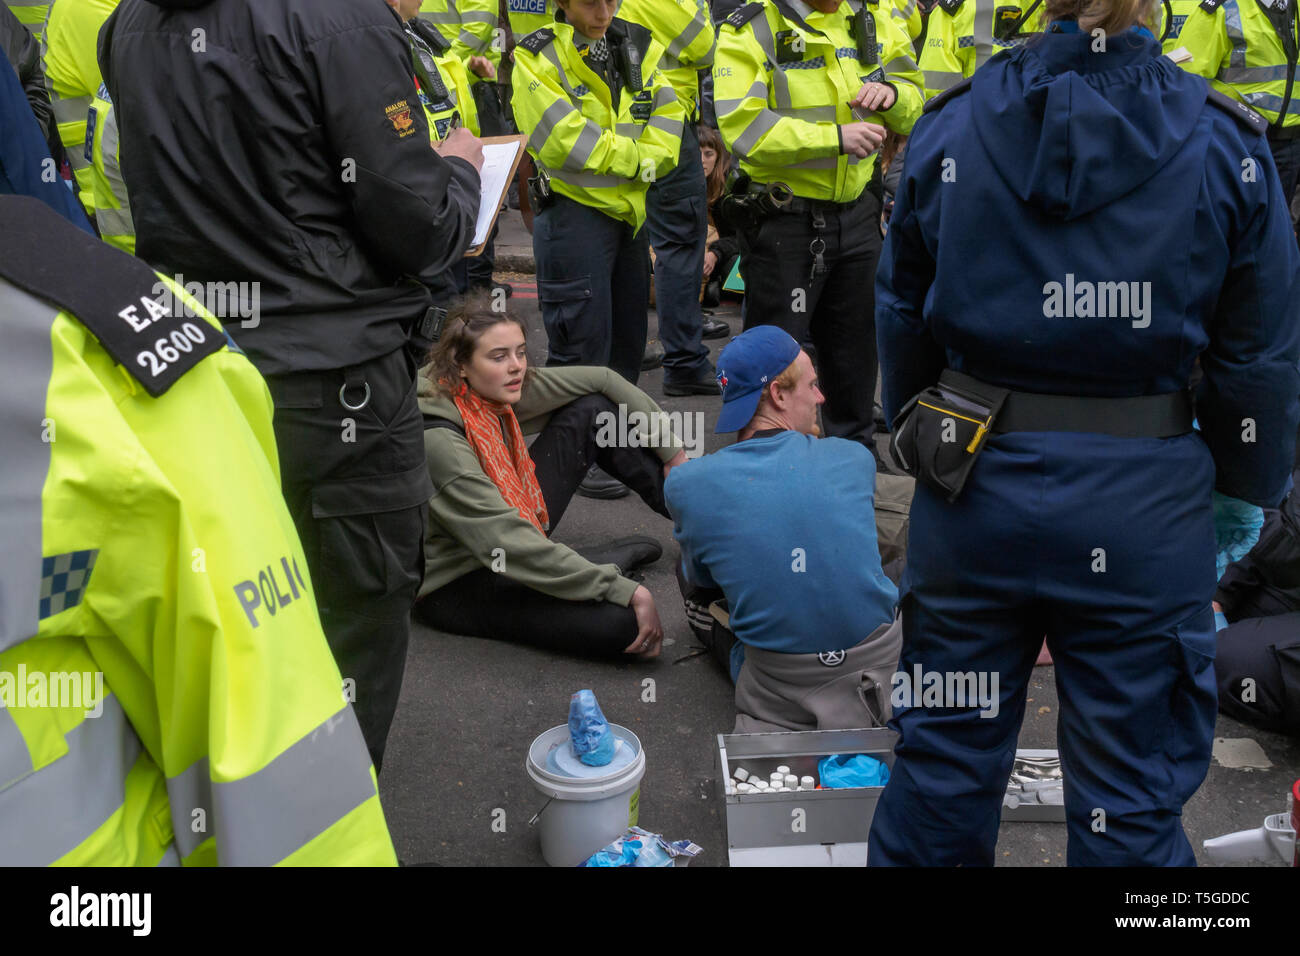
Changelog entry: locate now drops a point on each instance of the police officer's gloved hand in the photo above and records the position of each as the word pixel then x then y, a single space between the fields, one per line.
pixel 1236 529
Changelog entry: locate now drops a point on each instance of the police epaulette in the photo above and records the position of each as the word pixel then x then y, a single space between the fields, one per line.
pixel 1209 6
pixel 937 102
pixel 114 295
pixel 538 40
pixel 1238 110
pixel 742 15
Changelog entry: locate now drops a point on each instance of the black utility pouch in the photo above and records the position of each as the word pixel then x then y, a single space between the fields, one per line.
pixel 941 431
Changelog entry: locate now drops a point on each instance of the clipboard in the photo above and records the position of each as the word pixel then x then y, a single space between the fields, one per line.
pixel 498 172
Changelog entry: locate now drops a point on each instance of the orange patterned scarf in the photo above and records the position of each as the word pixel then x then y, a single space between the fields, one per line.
pixel 493 433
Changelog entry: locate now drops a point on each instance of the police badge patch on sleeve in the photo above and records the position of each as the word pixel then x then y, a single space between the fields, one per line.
pixel 399 114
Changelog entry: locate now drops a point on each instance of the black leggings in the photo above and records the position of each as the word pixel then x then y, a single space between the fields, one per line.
pixel 484 603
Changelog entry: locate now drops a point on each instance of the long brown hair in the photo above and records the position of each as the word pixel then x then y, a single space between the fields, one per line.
pixel 710 138
pixel 467 320
pixel 1110 16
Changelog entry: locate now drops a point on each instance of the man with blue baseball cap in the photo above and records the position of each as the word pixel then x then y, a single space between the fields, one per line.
pixel 782 525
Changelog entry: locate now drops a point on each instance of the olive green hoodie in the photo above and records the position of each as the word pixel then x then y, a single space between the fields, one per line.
pixel 468 518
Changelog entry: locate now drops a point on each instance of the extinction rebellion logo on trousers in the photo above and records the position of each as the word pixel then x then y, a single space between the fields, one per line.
pixel 133 910
pixel 1098 300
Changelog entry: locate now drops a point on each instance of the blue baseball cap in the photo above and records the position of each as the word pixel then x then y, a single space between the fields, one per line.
pixel 746 365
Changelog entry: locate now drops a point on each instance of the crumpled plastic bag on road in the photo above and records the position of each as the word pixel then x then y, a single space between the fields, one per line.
pixel 639 847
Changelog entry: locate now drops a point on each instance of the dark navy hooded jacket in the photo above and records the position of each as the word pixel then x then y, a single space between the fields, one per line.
pixel 1061 174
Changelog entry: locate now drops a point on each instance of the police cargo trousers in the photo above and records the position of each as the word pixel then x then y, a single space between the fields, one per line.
pixel 834 311
pixel 1104 545
pixel 356 484
pixel 593 285
pixel 677 221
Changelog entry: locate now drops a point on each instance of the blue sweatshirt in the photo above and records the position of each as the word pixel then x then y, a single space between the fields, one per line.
pixel 785 526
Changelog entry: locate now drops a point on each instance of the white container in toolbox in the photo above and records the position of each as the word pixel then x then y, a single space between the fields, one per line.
pixel 766 829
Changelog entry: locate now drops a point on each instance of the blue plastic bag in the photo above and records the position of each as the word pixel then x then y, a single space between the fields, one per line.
pixel 855 770
pixel 593 741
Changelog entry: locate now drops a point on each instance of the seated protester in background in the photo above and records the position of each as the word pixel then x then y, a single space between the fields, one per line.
pixel 722 246
pixel 490 569
pixel 794 552
pixel 1257 612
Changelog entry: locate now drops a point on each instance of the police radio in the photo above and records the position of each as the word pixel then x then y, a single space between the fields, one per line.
pixel 1006 23
pixel 864 35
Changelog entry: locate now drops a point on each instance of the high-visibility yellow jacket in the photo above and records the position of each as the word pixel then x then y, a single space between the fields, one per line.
pixel 146 541
pixel 1234 46
pixel 1182 9
pixel 685 30
pixel 69 51
pixel 597 154
pixel 961 37
pixel 908 14
pixel 112 206
pixel 525 16
pixel 443 84
pixel 470 26
pixel 779 110
pixel 31 14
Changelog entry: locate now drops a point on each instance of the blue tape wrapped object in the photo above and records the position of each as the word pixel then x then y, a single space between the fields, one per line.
pixel 593 741
pixel 642 848
pixel 853 770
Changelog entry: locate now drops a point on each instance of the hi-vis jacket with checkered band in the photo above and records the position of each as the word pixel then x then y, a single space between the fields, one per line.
pixel 1248 50
pixel 962 35
pixel 146 540
pixel 596 153
pixel 783 77
pixel 686 32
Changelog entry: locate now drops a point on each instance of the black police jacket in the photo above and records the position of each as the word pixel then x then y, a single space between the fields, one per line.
pixel 283 143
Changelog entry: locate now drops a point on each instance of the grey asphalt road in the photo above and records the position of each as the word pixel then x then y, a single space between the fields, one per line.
pixel 454 786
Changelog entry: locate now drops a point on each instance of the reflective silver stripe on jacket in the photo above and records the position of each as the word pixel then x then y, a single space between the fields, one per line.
pixel 113 222
pixel 780 82
pixel 687 36
pixel 261 819
pixel 585 180
pixel 51 812
pixel 1232 21
pixel 15 760
pixel 476 44
pixel 1252 74
pixel 1270 102
pixel 757 90
pixel 983 31
pixel 907 11
pixel 28 359
pixel 941 79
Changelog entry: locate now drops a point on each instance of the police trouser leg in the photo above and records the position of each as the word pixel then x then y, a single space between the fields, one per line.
pixel 1106 546
pixel 593 285
pixel 676 225
pixel 833 311
pixel 356 484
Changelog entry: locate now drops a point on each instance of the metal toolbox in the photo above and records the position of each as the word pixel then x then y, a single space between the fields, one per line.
pixel 805 827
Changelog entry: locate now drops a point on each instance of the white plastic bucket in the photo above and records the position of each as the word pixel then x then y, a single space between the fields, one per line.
pixel 584 815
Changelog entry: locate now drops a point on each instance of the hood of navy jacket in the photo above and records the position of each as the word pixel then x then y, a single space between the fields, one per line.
pixel 1070 112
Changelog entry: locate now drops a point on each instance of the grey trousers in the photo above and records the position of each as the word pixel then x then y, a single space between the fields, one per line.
pixel 823 691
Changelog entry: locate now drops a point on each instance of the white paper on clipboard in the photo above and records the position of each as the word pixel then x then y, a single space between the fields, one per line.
pixel 501 155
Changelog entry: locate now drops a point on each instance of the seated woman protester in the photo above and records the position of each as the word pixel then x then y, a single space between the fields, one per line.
pixel 490 568
pixel 722 245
